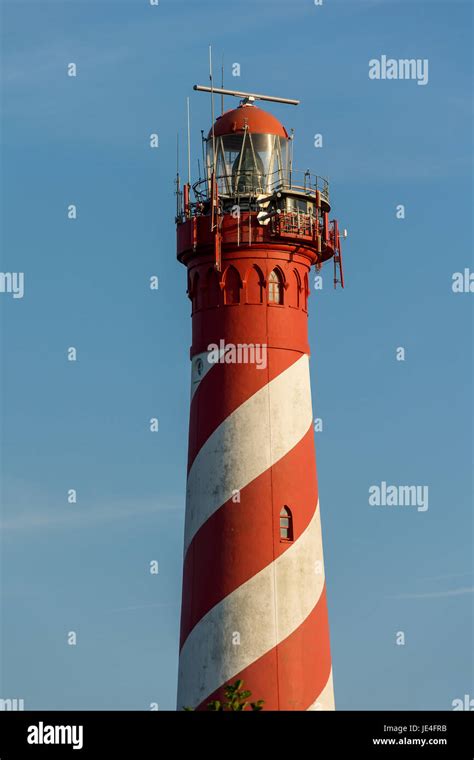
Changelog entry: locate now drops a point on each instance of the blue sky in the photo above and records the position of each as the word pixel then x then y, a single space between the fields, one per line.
pixel 84 425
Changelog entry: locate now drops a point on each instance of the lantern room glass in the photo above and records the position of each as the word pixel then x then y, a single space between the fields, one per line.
pixel 249 164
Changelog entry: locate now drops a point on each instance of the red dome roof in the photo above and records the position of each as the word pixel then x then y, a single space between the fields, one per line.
pixel 258 122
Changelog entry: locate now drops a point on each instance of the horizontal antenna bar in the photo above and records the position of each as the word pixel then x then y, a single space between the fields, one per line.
pixel 237 93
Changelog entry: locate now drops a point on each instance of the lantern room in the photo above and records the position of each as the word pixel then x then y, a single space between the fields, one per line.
pixel 251 150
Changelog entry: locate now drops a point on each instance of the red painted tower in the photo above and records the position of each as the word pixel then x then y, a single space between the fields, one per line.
pixel 254 593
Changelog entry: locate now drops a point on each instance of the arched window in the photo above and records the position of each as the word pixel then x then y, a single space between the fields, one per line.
pixel 294 290
pixel 213 290
pixel 275 287
pixel 254 283
pixel 305 292
pixel 286 524
pixel 232 286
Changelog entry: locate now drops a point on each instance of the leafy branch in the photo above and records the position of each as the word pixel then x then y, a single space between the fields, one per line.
pixel 235 699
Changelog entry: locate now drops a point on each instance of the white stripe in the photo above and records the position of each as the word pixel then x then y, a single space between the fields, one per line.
pixel 200 367
pixel 250 440
pixel 260 613
pixel 325 701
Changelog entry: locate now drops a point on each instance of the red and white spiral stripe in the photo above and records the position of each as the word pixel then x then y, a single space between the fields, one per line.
pixel 254 606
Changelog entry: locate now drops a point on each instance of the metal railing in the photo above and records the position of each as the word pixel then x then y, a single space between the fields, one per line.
pixel 253 184
pixel 296 223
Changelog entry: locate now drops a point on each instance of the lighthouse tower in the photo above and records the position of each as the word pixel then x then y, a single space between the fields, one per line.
pixel 254 591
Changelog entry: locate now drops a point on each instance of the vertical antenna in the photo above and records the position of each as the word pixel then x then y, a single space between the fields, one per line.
pixel 212 111
pixel 177 175
pixel 222 85
pixel 204 165
pixel 292 132
pixel 189 145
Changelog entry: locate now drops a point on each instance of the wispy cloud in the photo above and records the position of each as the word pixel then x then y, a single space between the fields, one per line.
pixel 437 594
pixel 144 606
pixel 446 576
pixel 77 516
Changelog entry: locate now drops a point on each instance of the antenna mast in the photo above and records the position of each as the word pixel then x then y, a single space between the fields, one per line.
pixel 189 145
pixel 211 90
pixel 177 176
pixel 222 86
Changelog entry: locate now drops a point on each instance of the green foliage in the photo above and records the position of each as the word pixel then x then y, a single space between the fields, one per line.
pixel 235 700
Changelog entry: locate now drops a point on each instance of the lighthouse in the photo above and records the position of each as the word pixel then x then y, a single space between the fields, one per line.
pixel 254 601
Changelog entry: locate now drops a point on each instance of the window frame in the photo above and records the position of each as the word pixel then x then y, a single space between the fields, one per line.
pixel 278 285
pixel 286 514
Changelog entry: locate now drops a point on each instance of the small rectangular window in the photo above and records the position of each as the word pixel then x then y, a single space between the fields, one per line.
pixel 286 524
